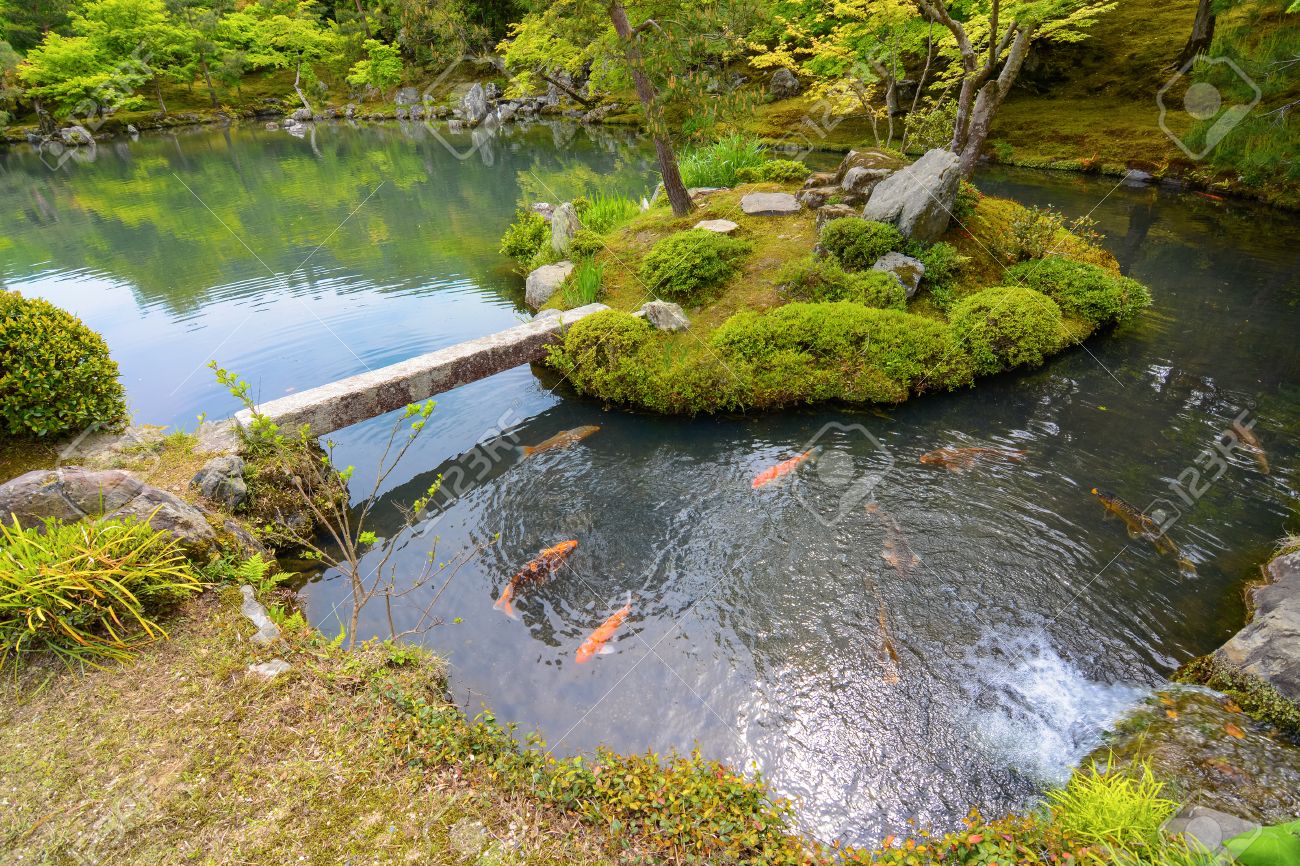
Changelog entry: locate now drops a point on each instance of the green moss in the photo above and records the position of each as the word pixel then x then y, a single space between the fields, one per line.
pixel 857 243
pixel 1257 698
pixel 1007 326
pixel 814 279
pixel 1084 290
pixel 689 267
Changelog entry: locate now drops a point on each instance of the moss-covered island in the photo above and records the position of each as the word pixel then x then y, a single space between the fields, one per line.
pixel 783 313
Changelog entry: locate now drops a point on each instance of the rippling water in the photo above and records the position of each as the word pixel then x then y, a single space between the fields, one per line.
pixel 760 618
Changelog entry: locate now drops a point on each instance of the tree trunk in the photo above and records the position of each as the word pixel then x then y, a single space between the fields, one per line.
pixel 297 77
pixel 157 89
pixel 678 197
pixel 207 79
pixel 365 25
pixel 1201 36
pixel 990 98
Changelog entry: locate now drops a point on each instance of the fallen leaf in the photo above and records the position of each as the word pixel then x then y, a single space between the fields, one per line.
pixel 1231 706
pixel 1233 731
pixel 1173 714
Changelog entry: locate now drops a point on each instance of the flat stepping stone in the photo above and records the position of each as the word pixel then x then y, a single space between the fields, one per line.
pixel 722 227
pixel 769 204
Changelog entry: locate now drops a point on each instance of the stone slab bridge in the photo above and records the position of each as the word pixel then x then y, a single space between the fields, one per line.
pixel 349 401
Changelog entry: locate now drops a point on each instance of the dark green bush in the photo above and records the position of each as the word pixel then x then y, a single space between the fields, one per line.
pixel 775 170
pixel 525 236
pixel 56 375
pixel 1006 326
pixel 689 266
pixel 813 279
pixel 1087 291
pixel 942 264
pixel 857 243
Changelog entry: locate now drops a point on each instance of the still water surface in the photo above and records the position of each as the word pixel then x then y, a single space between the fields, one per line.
pixel 1026 623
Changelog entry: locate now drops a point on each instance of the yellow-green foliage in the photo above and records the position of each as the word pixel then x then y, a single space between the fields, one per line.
pixel 857 243
pixel 87 591
pixel 525 236
pixel 1102 806
pixel 690 266
pixel 1007 326
pixel 56 375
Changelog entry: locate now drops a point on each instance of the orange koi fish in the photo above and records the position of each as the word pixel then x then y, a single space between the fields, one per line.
pixel 535 571
pixel 595 643
pixel 1247 437
pixel 782 469
pixel 562 439
pixel 1211 196
pixel 961 459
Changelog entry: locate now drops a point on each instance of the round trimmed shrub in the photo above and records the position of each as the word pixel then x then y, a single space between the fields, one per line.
pixel 585 244
pixel 689 266
pixel 857 243
pixel 525 236
pixel 1006 326
pixel 1087 291
pixel 56 375
pixel 812 279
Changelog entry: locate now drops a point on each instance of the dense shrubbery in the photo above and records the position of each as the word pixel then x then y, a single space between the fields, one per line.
pixel 857 243
pixel 1006 326
pixel 813 279
pixel 56 375
pixel 688 266
pixel 1087 291
pixel 775 170
pixel 525 236
pixel 86 591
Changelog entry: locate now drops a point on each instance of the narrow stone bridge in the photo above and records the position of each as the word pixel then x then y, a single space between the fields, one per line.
pixel 366 395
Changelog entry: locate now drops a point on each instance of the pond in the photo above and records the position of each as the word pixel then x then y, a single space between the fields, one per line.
pixel 884 640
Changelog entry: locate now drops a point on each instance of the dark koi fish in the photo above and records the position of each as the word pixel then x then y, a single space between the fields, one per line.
pixel 561 440
pixel 1141 526
pixel 1246 436
pixel 960 459
pixel 535 571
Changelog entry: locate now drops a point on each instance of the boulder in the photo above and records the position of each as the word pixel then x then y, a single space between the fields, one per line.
pixel 828 212
pixel 664 316
pixel 75 135
pixel 600 112
pixel 820 178
pixel 73 493
pixel 564 225
pixel 301 115
pixel 722 227
pixel 783 84
pixel 222 480
pixel 918 199
pixel 769 204
pixel 862 180
pixel 473 105
pixel 1269 647
pixel 544 208
pixel 1138 177
pixel 545 282
pixel 870 157
pixel 407 96
pixel 817 196
pixel 907 270
pixel 1210 827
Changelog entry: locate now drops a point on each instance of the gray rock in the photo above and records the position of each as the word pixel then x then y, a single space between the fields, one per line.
pixel 600 112
pixel 272 669
pixel 870 157
pixel 828 212
pixel 1210 827
pixel 549 313
pixel 817 196
pixel 664 316
pixel 407 96
pixel 267 631
pixel 907 270
pixel 783 84
pixel 546 209
pixel 301 115
pixel 73 493
pixel 564 225
pixel 491 91
pixel 222 480
pixel 473 105
pixel 769 204
pixel 820 178
pixel 1138 177
pixel 401 113
pixel 217 437
pixel 693 191
pixel 1269 647
pixel 545 282
pixel 862 180
pixel 75 135
pixel 918 199
pixel 722 227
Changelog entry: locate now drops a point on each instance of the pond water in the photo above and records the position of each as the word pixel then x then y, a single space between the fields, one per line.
pixel 1026 621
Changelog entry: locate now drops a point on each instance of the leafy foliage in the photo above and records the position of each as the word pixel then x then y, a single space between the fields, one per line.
pixel 1006 326
pixel 87 591
pixel 1092 293
pixel 857 243
pixel 942 264
pixel 813 279
pixel 381 68
pixel 688 266
pixel 56 375
pixel 720 164
pixel 1101 806
pixel 526 236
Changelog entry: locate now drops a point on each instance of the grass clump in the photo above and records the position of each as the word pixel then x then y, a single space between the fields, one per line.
pixel 688 267
pixel 1006 326
pixel 525 237
pixel 1087 291
pixel 583 285
pixel 56 375
pixel 1101 806
pixel 774 171
pixel 719 164
pixel 86 592
pixel 857 243
pixel 813 279
pixel 604 212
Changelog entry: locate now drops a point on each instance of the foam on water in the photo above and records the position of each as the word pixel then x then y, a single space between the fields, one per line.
pixel 1036 712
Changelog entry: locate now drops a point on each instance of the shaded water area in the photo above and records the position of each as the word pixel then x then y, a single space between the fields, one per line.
pixel 1026 622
